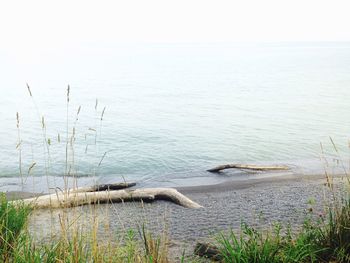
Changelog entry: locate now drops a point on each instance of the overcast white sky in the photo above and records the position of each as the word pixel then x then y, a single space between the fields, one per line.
pixel 30 26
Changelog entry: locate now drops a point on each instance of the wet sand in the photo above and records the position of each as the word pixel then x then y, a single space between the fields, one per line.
pixel 259 202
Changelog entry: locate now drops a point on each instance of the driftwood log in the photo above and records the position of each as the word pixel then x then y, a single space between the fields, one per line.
pixel 71 199
pixel 248 167
pixel 208 251
pixel 102 187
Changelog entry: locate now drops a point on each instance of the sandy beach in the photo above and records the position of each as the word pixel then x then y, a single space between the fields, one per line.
pixel 260 203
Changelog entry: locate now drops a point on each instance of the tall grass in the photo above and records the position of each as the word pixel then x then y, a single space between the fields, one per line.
pixel 71 241
pixel 74 244
pixel 326 239
pixel 257 246
pixel 13 220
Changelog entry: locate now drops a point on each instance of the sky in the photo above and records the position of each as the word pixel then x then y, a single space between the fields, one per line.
pixel 29 28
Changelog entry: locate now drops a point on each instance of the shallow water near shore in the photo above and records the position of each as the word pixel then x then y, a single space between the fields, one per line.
pixel 173 111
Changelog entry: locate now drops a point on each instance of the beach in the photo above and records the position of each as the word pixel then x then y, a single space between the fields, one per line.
pixel 175 131
pixel 260 203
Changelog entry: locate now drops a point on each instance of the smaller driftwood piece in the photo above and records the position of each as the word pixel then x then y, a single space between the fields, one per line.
pixel 102 187
pixel 249 167
pixel 111 193
pixel 208 251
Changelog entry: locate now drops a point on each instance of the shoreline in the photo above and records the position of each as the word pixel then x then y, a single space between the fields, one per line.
pixel 197 179
pixel 229 185
pixel 260 203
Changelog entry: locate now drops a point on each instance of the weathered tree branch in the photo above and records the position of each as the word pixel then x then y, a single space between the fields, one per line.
pixel 248 167
pixel 71 199
pixel 102 187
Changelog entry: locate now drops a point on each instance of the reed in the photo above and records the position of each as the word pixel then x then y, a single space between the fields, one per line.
pixel 74 243
pixel 74 238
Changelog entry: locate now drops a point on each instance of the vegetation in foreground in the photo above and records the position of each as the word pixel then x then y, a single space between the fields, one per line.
pixel 327 240
pixel 74 245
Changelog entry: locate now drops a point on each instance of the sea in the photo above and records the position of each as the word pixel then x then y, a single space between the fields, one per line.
pixel 161 114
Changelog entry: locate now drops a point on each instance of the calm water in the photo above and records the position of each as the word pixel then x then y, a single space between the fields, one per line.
pixel 173 111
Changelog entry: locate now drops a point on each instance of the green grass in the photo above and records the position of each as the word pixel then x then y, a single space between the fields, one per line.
pixel 326 240
pixel 334 235
pixel 257 246
pixel 73 244
pixel 13 220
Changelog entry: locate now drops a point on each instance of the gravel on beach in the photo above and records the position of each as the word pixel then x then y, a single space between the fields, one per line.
pixel 259 203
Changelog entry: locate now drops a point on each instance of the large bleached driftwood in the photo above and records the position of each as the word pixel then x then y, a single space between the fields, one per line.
pixel 248 167
pixel 71 199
